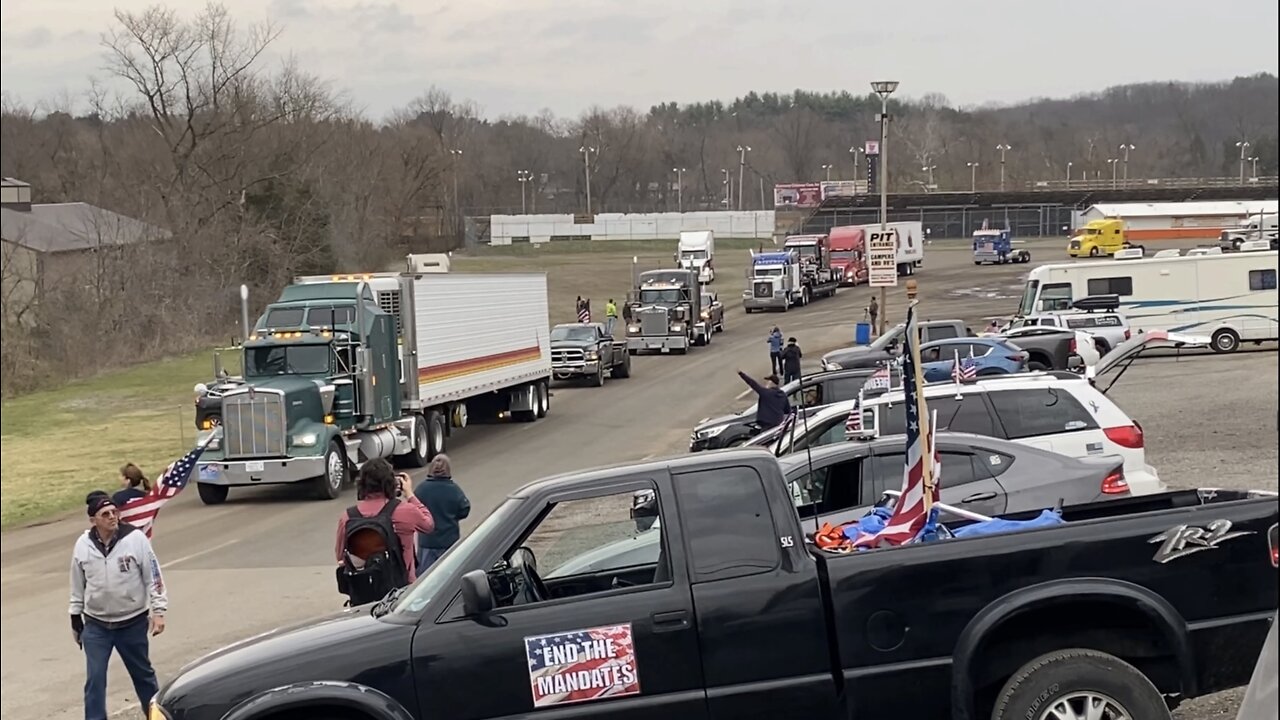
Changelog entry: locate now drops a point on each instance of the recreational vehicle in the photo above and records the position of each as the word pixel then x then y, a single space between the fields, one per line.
pixel 1231 298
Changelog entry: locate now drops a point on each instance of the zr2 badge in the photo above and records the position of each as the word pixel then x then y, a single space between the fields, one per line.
pixel 1183 540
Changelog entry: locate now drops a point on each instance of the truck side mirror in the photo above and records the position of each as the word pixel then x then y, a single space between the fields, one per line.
pixel 477 595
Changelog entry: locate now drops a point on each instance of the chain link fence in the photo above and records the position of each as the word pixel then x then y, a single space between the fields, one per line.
pixel 958 222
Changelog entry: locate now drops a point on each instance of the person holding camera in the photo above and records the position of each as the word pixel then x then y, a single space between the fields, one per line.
pixel 381 525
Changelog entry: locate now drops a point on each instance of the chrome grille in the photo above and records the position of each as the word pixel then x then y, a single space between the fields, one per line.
pixel 653 322
pixel 764 289
pixel 567 356
pixel 253 425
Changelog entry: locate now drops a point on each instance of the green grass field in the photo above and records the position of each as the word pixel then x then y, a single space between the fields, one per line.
pixel 60 444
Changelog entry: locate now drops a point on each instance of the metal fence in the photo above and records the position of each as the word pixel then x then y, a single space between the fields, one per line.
pixel 1109 183
pixel 959 222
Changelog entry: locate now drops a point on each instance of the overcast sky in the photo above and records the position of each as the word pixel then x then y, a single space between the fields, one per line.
pixel 513 56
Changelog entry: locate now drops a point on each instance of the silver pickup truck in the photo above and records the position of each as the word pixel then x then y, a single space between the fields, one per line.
pixel 585 350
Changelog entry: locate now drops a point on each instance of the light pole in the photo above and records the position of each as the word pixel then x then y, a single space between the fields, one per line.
pixel 1125 148
pixel 523 177
pixel 742 164
pixel 1069 174
pixel 1244 147
pixel 586 151
pixel 884 88
pixel 1254 160
pixel 728 190
pixel 973 176
pixel 1003 148
pixel 828 169
pixel 457 160
pixel 854 152
pixel 1113 162
pixel 929 169
pixel 680 186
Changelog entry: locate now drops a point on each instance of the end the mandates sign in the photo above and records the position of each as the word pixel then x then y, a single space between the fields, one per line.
pixel 882 258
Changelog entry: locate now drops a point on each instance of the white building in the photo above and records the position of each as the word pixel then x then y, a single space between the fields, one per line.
pixel 506 229
pixel 1165 221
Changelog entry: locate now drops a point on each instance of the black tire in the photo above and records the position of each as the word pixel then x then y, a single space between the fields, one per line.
pixel 1225 341
pixel 212 494
pixel 1101 346
pixel 738 441
pixel 988 372
pixel 1093 251
pixel 436 433
pixel 1035 366
pixel 622 369
pixel 420 455
pixel 543 395
pixel 977 262
pixel 336 473
pixel 597 380
pixel 1064 676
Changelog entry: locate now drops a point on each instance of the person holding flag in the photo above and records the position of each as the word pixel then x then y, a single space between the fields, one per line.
pixel 140 512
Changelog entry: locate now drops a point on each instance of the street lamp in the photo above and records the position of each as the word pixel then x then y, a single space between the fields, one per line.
pixel 1125 148
pixel 1069 163
pixel 586 151
pixel 680 186
pixel 742 164
pixel 1244 147
pixel 854 150
pixel 728 190
pixel 828 169
pixel 1003 148
pixel 457 158
pixel 884 88
pixel 1113 162
pixel 523 177
pixel 929 169
pixel 1254 160
pixel 973 176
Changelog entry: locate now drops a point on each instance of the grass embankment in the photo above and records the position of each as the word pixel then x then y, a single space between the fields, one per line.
pixel 57 445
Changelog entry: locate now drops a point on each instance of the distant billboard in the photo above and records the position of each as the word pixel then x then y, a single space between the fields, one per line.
pixel 841 188
pixel 797 195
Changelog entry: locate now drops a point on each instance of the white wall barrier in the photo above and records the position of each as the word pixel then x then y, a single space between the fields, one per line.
pixel 506 229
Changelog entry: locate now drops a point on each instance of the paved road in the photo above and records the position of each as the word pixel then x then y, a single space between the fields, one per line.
pixel 265 557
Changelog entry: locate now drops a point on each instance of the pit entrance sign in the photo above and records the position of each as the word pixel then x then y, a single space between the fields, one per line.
pixel 882 258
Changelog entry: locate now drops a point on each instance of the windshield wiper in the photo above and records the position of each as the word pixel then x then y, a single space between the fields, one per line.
pixel 383 606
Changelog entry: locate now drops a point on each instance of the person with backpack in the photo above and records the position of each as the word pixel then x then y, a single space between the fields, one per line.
pixel 375 545
pixel 448 504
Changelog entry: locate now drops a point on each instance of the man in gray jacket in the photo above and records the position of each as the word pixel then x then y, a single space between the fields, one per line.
pixel 117 596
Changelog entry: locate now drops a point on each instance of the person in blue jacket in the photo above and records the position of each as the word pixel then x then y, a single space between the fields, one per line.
pixel 772 405
pixel 448 504
pixel 775 351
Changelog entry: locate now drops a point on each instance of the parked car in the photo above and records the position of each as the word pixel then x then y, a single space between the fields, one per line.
pixel 1099 316
pixel 990 356
pixel 811 391
pixel 586 351
pixel 889 345
pixel 713 311
pixel 1058 411
pixel 740 617
pixel 1049 348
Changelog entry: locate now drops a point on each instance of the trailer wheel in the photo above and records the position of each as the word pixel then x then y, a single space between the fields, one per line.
pixel 336 473
pixel 211 494
pixel 1226 341
pixel 622 369
pixel 543 396
pixel 435 433
pixel 1079 683
pixel 419 456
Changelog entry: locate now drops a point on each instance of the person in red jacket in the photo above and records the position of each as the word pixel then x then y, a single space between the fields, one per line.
pixel 377 485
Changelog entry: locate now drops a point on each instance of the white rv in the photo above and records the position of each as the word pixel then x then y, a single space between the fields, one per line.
pixel 696 251
pixel 1231 298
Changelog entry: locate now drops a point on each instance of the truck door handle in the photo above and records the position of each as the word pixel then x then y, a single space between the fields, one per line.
pixel 979 497
pixel 668 621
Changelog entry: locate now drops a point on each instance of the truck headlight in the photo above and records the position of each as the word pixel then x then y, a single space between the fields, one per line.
pixel 711 432
pixel 706 315
pixel 305 440
pixel 633 328
pixel 677 327
pixel 593 355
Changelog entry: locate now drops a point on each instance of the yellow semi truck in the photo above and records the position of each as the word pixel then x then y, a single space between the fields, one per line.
pixel 1105 236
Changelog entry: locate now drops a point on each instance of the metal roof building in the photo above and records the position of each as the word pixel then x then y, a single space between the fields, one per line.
pixel 1172 220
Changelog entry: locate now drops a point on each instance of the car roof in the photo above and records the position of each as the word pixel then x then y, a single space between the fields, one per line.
pixel 671 464
pixel 854 447
pixel 942 388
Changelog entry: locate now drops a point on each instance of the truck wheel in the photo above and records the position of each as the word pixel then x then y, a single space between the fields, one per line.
pixel 597 380
pixel 1093 251
pixel 420 455
pixel 212 494
pixel 1226 341
pixel 1079 683
pixel 543 396
pixel 336 473
pixel 435 433
pixel 622 369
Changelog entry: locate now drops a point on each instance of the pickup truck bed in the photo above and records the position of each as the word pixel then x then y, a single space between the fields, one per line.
pixel 1146 600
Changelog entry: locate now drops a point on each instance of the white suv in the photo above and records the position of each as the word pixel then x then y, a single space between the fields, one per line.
pixel 1057 411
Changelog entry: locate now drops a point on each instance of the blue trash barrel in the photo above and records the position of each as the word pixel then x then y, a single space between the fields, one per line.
pixel 862 334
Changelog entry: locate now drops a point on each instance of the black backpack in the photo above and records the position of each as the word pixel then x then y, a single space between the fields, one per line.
pixel 383 570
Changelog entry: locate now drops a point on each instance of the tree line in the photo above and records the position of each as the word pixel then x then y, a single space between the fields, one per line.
pixel 259 172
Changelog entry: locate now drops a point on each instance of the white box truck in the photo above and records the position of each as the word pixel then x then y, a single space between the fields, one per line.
pixel 696 251
pixel 910 244
pixel 342 369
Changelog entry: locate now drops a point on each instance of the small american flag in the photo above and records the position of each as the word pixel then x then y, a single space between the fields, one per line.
pixel 141 512
pixel 964 370
pixel 922 467
pixel 582 665
pixel 853 425
pixel 584 314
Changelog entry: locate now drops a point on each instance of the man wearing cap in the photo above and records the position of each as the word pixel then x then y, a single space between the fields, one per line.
pixel 117 598
pixel 772 405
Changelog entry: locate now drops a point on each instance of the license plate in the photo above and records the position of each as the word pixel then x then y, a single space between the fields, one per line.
pixel 254 466
pixel 666 349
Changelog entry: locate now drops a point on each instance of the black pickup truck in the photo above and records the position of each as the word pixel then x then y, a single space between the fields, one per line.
pixel 1135 603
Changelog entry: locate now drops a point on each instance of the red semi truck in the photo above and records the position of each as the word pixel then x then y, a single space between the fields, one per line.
pixel 849 254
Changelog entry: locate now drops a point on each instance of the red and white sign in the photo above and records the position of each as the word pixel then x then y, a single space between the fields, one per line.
pixel 797 195
pixel 873 147
pixel 579 665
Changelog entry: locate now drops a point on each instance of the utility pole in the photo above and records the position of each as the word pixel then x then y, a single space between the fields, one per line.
pixel 828 169
pixel 973 176
pixel 523 177
pixel 929 169
pixel 457 211
pixel 1254 160
pixel 728 190
pixel 742 164
pixel 586 151
pixel 1244 147
pixel 1068 174
pixel 884 88
pixel 679 187
pixel 1125 148
pixel 1113 162
pixel 854 150
pixel 1003 148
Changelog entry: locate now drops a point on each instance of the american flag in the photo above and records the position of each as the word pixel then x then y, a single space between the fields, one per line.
pixel 582 665
pixel 141 512
pixel 922 467
pixel 853 425
pixel 879 380
pixel 964 370
pixel 584 314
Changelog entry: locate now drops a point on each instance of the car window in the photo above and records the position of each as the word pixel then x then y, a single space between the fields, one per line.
pixel 880 473
pixel 1052 321
pixel 1030 413
pixel 989 463
pixel 1092 321
pixel 834 433
pixel 1262 279
pixel 971 416
pixel 1056 296
pixel 957 468
pixel 810 487
pixel 810 396
pixel 939 332
pixel 1122 286
pixel 845 388
pixel 735 496
pixel 893 420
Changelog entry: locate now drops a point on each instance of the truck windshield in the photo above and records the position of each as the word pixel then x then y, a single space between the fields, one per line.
pixel 573 334
pixel 694 254
pixel 842 254
pixel 443 575
pixel 768 270
pixel 661 297
pixel 805 250
pixel 287 360
pixel 1028 304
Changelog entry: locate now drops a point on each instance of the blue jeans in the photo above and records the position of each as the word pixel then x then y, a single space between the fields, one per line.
pixel 132 644
pixel 426 556
pixel 608 324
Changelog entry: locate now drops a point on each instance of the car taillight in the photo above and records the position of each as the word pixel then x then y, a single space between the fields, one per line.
pixel 1275 545
pixel 1071 346
pixel 1020 357
pixel 1127 334
pixel 1129 436
pixel 1114 483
